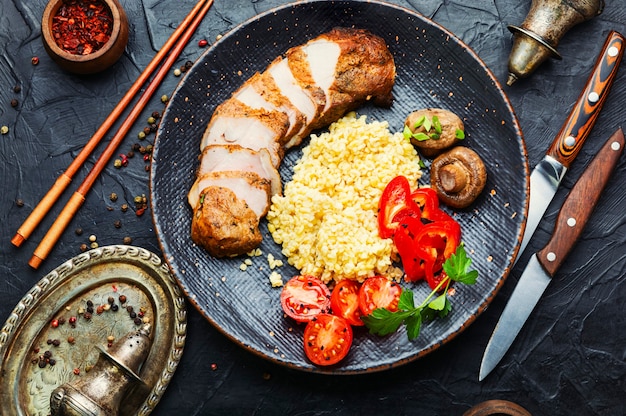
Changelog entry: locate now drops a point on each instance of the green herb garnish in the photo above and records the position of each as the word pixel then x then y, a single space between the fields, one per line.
pixel 383 322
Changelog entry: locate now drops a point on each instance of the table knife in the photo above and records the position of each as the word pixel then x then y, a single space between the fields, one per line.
pixel 547 174
pixel 543 265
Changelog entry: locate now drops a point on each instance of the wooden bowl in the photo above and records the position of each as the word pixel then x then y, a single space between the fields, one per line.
pixel 95 61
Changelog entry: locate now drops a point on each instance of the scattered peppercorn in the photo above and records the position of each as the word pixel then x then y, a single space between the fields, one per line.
pixel 76 371
pixel 146 130
pixel 124 207
pixel 113 197
pixel 213 366
pixel 71 339
pixel 122 299
pixel 17 89
pixel 4 129
pixel 19 202
pixel 117 163
pixel 78 231
pixel 72 320
pixel 114 307
pixel 164 98
pixel 156 115
pixel 151 120
pixel 83 247
pixel 94 245
pixel 127 240
pixel 177 72
pixel 34 60
pixel 56 342
pixel 117 224
pixel 54 323
pixel 87 315
pixel 138 321
pixel 130 154
pixel 188 64
pixel 14 103
pixel 203 43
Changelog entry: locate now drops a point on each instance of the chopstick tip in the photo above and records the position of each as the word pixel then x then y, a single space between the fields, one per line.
pixel 35 262
pixel 17 240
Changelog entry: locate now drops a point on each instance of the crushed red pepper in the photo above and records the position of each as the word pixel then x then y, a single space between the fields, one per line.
pixel 82 27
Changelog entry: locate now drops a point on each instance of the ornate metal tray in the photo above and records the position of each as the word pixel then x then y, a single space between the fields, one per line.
pixel 55 332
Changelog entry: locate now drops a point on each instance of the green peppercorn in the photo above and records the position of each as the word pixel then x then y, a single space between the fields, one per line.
pixel 113 197
pixel 138 200
pixel 141 135
pixel 151 120
pixel 164 98
pixel 4 129
pixel 117 163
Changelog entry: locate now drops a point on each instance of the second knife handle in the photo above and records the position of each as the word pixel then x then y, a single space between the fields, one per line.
pixel 579 204
pixel 578 125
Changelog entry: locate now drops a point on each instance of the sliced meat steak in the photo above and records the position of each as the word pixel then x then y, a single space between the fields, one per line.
pixel 243 145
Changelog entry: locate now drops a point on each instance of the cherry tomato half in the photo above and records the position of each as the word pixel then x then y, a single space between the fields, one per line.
pixel 379 292
pixel 304 297
pixel 327 339
pixel 344 301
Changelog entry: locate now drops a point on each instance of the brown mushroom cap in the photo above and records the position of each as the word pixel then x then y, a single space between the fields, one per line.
pixel 458 176
pixel 449 121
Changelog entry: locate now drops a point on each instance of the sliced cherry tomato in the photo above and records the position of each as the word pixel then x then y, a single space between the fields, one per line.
pixel 379 292
pixel 305 297
pixel 327 339
pixel 396 197
pixel 344 301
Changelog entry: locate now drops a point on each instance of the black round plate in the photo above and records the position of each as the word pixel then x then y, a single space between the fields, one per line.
pixel 434 69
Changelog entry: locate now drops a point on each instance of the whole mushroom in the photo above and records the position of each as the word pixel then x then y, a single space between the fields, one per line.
pixel 458 176
pixel 432 130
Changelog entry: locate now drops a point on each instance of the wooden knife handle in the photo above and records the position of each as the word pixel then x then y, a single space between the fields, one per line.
pixel 579 204
pixel 583 115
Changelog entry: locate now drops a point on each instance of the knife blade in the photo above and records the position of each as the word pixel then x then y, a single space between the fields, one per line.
pixel 548 173
pixel 543 265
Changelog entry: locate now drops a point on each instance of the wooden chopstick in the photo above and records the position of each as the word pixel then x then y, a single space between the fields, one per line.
pixel 77 199
pixel 42 208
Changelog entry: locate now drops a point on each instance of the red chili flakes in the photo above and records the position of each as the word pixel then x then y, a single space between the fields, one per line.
pixel 82 27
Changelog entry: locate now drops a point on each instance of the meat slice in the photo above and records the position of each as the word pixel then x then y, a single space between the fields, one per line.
pixel 309 100
pixel 233 122
pixel 233 157
pixel 351 66
pixel 261 92
pixel 247 186
pixel 224 224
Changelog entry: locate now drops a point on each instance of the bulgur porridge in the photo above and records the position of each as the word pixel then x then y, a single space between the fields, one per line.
pixel 326 219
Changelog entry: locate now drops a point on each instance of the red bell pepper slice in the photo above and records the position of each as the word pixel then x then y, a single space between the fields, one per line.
pixel 436 242
pixel 396 198
pixel 428 201
pixel 404 240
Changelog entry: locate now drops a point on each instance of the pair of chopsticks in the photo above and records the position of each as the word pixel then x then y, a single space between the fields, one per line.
pixel 174 45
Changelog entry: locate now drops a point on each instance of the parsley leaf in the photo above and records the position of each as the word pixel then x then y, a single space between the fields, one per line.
pixel 384 322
